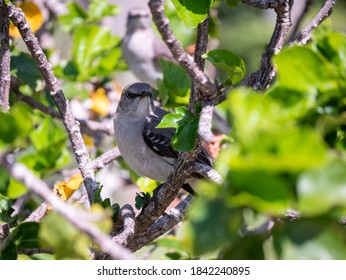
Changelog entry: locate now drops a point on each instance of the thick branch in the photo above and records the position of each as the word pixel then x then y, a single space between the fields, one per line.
pixel 128 227
pixel 5 58
pixel 72 127
pixel 200 49
pixel 76 217
pixel 264 76
pixel 162 225
pixel 263 4
pixel 164 195
pixel 304 36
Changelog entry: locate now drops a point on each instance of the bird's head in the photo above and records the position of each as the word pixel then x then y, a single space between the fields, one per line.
pixel 136 99
pixel 138 18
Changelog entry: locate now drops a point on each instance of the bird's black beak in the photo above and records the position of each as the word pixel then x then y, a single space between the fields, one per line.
pixel 146 94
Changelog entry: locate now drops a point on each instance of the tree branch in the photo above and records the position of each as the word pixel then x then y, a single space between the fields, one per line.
pixel 204 85
pixel 263 4
pixel 72 127
pixel 89 127
pixel 5 59
pixel 164 195
pixel 304 36
pixel 128 227
pixel 264 76
pixel 162 225
pixel 297 24
pixel 80 219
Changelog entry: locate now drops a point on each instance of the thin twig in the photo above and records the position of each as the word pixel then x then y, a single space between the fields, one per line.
pixel 163 224
pixel 72 127
pixel 76 217
pixel 5 58
pixel 262 78
pixel 33 251
pixel 304 36
pixel 203 83
pixel 205 121
pixel 297 24
pixel 89 127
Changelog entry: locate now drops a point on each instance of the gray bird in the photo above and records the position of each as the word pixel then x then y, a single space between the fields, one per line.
pixel 142 48
pixel 145 148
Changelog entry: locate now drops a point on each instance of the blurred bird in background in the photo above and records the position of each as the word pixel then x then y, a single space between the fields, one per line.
pixel 142 48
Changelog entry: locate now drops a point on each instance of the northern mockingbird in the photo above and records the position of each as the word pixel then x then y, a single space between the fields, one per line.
pixel 142 48
pixel 145 148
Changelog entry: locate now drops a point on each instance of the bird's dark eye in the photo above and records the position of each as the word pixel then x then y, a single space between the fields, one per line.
pixel 128 94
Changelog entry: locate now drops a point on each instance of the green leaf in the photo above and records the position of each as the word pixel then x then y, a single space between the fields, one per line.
pixel 229 62
pixel 141 200
pixel 262 191
pixel 47 134
pixel 95 52
pixel 333 47
pixel 49 141
pixel 146 185
pixel 186 125
pixel 25 69
pixel 98 9
pixel 244 248
pixel 310 239
pixel 4 180
pixel 5 204
pixel 75 17
pixel 192 12
pixel 16 125
pixel 68 242
pixel 16 189
pixel 9 251
pixel 174 89
pixel 25 235
pixel 322 189
pixel 232 3
pixel 300 68
pixel 213 224
pixel 268 137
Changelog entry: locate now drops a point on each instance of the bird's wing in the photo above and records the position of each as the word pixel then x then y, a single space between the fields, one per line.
pixel 159 139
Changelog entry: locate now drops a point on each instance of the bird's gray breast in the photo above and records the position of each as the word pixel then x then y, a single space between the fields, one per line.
pixel 135 151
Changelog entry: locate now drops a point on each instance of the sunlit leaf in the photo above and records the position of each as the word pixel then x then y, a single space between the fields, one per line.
pixel 322 189
pixel 315 239
pixel 68 242
pixel 100 103
pixel 174 89
pixel 33 16
pixel 95 51
pixel 146 185
pixel 229 62
pixel 186 125
pixel 15 125
pixel 192 12
pixel 66 189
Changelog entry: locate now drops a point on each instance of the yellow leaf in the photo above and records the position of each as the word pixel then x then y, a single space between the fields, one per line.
pixel 66 189
pixel 100 102
pixel 89 141
pixel 33 16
